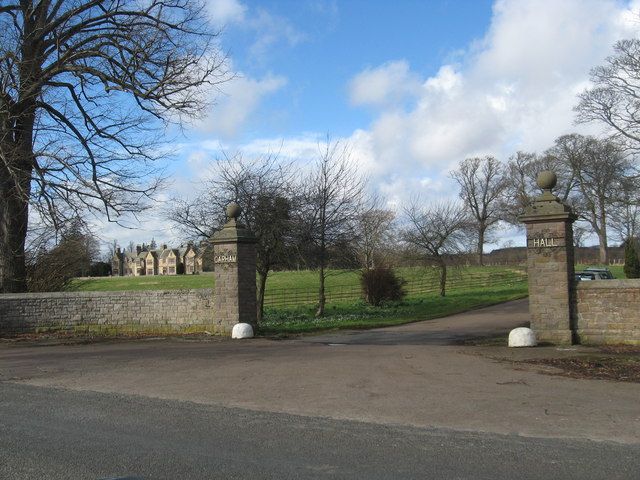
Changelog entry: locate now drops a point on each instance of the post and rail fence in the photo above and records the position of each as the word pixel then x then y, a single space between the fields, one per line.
pixel 306 296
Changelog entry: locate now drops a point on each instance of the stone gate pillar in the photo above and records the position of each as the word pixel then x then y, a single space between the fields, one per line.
pixel 550 261
pixel 234 260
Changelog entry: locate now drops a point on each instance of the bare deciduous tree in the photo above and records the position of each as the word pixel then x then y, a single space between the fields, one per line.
pixel 624 214
pixel 600 168
pixel 374 228
pixel 84 84
pixel 439 232
pixel 331 201
pixel 520 176
pixel 482 186
pixel 263 188
pixel 613 99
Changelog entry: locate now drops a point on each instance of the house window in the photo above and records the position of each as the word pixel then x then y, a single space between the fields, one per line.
pixel 172 270
pixel 172 260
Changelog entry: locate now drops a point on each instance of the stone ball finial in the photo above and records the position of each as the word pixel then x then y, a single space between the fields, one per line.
pixel 547 180
pixel 233 211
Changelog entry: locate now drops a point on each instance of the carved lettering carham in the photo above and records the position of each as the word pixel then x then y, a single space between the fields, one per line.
pixel 225 257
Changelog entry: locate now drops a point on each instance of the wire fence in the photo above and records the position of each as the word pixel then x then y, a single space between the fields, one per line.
pixel 414 287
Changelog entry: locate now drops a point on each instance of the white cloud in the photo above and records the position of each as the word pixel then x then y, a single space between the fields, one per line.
pixel 267 29
pixel 271 30
pixel 225 12
pixel 298 149
pixel 383 85
pixel 241 98
pixel 446 82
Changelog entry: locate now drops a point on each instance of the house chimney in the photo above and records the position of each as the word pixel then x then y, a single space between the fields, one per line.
pixel 164 246
pixel 118 250
pixel 138 248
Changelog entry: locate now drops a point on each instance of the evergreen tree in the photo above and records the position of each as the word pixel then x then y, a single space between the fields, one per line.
pixel 631 261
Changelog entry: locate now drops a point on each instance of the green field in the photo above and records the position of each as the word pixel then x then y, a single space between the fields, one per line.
pixel 283 283
pixel 157 282
pixel 292 283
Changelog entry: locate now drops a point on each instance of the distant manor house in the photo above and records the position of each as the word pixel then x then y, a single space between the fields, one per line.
pixel 184 260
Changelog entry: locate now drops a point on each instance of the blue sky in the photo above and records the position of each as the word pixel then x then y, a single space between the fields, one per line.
pixel 316 47
pixel 327 43
pixel 413 86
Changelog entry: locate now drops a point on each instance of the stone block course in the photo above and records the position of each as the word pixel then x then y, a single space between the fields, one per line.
pixel 608 311
pixel 171 310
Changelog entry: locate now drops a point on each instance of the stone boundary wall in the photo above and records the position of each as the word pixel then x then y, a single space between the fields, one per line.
pixel 158 311
pixel 608 312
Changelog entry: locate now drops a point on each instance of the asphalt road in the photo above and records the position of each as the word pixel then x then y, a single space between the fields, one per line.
pixel 48 433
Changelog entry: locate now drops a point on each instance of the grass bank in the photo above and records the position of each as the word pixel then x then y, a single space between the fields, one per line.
pixel 357 315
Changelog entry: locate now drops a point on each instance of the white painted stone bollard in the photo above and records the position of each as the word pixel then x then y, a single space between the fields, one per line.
pixel 522 337
pixel 242 330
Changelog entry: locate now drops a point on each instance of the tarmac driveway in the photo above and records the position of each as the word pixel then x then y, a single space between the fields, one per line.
pixel 453 330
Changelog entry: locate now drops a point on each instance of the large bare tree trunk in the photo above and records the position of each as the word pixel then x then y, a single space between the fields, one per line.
pixel 443 278
pixel 480 250
pixel 16 132
pixel 321 296
pixel 602 247
pixel 262 284
pixel 14 216
pixel 602 236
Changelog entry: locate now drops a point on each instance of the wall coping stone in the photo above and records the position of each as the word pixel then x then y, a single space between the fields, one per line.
pixel 120 293
pixel 609 284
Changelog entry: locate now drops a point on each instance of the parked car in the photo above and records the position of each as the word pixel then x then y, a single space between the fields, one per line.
pixel 604 273
pixel 594 273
